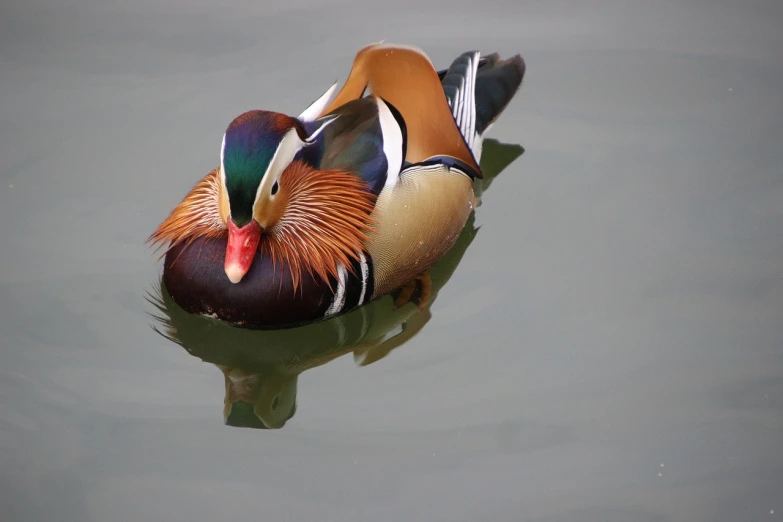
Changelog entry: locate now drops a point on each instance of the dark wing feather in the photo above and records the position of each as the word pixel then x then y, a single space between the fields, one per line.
pixel 496 83
pixel 352 143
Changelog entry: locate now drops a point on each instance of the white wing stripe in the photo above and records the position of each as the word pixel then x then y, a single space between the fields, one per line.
pixel 472 98
pixel 318 106
pixel 464 103
pixel 392 142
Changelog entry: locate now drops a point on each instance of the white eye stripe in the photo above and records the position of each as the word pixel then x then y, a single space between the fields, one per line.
pixel 222 160
pixel 288 148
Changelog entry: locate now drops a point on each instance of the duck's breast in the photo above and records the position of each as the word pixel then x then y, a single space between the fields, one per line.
pixel 194 277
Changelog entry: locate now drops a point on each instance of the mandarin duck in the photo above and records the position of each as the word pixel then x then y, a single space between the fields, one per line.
pixel 261 369
pixel 312 216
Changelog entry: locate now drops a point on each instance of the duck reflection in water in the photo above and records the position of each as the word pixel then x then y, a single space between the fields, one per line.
pixel 261 368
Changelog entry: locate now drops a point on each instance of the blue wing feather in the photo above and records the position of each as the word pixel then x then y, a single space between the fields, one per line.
pixel 353 143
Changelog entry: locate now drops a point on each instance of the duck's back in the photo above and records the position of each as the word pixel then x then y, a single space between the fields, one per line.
pixel 424 188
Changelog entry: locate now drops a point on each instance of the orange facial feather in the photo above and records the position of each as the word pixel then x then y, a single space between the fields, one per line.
pixel 325 222
pixel 198 215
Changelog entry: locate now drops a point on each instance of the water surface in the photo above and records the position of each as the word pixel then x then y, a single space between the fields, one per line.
pixel 607 346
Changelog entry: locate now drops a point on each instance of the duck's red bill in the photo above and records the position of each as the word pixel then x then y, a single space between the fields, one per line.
pixel 241 249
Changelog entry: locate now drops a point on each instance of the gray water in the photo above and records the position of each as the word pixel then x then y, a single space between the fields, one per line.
pixel 608 347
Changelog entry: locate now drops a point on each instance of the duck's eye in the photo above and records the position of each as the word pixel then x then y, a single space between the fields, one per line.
pixel 275 188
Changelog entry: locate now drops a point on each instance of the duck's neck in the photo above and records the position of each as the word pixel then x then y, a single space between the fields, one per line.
pixel 325 223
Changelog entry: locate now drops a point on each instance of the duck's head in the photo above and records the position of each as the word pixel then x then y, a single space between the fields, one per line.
pixel 258 148
pixel 265 198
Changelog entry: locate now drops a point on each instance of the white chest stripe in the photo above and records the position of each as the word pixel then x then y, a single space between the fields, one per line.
pixel 339 296
pixel 392 142
pixel 365 273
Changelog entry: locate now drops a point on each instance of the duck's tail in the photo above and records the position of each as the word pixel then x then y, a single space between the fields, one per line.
pixel 478 89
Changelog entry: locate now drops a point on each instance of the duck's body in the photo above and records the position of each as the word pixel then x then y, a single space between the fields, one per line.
pixel 313 216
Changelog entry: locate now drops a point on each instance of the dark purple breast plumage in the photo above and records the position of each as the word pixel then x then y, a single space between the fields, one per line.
pixel 194 277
